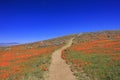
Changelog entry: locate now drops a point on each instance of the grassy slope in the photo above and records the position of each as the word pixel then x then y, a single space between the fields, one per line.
pixel 96 55
pixel 28 61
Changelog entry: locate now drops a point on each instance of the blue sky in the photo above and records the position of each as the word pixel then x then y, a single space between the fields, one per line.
pixel 25 21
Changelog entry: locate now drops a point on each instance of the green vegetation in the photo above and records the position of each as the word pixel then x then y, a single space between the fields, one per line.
pixel 100 67
pixel 35 68
pixel 32 69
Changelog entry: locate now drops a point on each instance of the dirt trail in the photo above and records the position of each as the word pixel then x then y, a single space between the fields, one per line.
pixel 59 70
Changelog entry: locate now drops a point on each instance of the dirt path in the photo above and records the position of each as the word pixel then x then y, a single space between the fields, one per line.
pixel 59 70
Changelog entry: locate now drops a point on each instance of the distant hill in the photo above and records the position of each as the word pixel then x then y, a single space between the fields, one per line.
pixel 8 44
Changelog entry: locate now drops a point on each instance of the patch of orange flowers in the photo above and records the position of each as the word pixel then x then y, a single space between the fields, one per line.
pixel 109 47
pixel 10 58
pixel 101 46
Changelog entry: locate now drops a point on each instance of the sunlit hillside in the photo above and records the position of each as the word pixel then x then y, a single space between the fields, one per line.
pixel 92 56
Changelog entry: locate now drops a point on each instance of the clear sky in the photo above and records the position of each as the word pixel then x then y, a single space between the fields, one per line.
pixel 33 20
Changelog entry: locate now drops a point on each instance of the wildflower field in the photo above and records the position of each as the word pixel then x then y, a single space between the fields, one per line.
pixel 28 61
pixel 96 57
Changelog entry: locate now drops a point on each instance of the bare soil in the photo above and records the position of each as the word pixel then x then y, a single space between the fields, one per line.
pixel 59 70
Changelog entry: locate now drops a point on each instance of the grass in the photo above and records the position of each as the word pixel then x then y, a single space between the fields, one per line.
pixel 32 69
pixel 101 67
pixel 35 68
pixel 94 60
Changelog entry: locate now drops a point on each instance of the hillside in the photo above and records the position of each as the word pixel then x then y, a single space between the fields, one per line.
pixel 92 56
pixel 28 61
pixel 95 56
